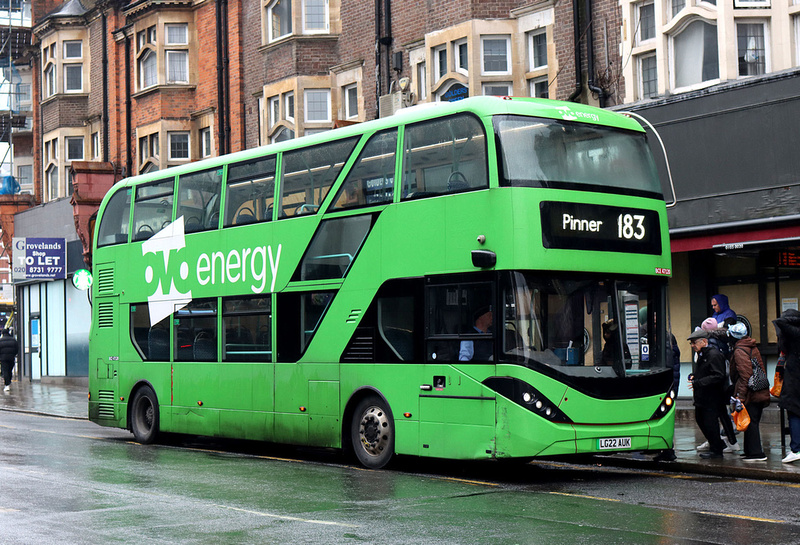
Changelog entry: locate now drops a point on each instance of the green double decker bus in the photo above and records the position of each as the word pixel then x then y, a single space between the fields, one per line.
pixel 484 279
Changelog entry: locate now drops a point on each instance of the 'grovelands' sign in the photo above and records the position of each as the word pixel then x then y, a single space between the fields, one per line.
pixel 39 258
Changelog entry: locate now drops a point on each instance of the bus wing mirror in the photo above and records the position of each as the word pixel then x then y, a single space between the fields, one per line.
pixel 484 259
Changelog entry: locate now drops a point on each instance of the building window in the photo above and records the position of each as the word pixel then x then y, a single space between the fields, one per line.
pixel 283 135
pixel 677 6
pixel 95 145
pixel 177 67
pixel 648 76
pixel 144 37
pixel 73 78
pixel 205 142
pixel 73 49
pixel 440 62
pixel 497 89
pixel 796 22
pixel 495 55
pixel 148 73
pixel 751 3
pixel 351 101
pixel 25 177
pixel 696 53
pixel 177 34
pixel 52 182
pixel 178 146
pixel 537 50
pixel 289 106
pixel 461 56
pixel 645 21
pixel 539 88
pixel 50 80
pixel 274 110
pixel 315 15
pixel 74 145
pixel 279 19
pixel 752 49
pixel 422 81
pixel 318 105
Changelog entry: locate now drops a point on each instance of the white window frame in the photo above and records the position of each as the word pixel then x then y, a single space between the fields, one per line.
pixel 422 80
pixel 507 84
pixel 507 40
pixel 270 29
pixel 53 185
pixel 205 142
pixel 672 68
pixel 73 67
pixel 170 53
pixel 184 26
pixel 752 3
pixel 173 134
pixel 147 55
pixel 765 26
pixel 457 45
pixel 531 50
pixel 637 21
pixel 640 74
pixel 67 140
pixel 288 106
pixel 535 81
pixel 95 145
pixel 50 80
pixel 317 92
pixel 327 24
pixel 437 55
pixel 674 3
pixel 796 23
pixel 273 111
pixel 73 42
pixel 347 92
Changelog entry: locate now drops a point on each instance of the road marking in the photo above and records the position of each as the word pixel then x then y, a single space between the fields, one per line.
pixel 8 510
pixel 285 517
pixel 583 496
pixel 732 516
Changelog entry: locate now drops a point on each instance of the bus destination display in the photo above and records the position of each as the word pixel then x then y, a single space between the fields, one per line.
pixel 581 226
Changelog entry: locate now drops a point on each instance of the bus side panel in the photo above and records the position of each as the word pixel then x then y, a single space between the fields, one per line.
pixel 323 418
pixel 522 433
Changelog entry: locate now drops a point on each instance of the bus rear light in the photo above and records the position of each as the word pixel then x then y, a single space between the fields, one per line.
pixel 200 403
pixel 302 409
pixel 407 415
pixel 525 395
pixel 122 398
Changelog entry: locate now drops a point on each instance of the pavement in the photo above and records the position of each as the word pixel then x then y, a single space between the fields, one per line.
pixel 68 399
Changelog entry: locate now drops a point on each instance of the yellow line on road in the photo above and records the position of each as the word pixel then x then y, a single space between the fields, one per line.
pixel 732 516
pixel 583 496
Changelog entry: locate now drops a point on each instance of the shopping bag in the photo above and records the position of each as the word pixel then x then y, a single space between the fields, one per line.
pixel 741 419
pixel 777 383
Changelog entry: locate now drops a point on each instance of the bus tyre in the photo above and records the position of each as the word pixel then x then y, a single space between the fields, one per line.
pixel 372 433
pixel 144 415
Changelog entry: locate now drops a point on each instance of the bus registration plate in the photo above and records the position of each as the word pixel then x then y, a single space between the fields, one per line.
pixel 614 443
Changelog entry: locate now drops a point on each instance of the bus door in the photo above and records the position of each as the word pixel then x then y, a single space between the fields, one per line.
pixel 457 416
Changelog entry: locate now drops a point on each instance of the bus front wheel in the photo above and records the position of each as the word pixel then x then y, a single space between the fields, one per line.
pixel 372 433
pixel 144 415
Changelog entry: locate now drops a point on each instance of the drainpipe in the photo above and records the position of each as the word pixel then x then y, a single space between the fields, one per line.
pixel 601 94
pixel 226 73
pixel 576 33
pixel 387 40
pixel 378 86
pixel 223 148
pixel 105 87
pixel 128 121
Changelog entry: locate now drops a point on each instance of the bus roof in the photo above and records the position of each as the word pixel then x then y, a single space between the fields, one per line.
pixel 483 106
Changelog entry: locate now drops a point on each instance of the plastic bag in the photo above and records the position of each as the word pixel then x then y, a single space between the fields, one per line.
pixel 741 419
pixel 777 383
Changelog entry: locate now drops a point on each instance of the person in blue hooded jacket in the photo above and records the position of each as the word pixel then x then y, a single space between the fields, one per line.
pixel 721 309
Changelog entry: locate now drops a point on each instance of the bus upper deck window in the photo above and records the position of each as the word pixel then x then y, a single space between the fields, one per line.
pixel 152 210
pixel 198 199
pixel 114 224
pixel 250 192
pixel 371 180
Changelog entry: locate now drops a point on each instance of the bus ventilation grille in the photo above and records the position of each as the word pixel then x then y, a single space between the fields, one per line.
pixel 105 409
pixel 355 314
pixel 361 348
pixel 105 315
pixel 105 281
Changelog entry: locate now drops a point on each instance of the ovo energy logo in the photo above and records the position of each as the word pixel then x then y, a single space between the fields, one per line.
pixel 245 265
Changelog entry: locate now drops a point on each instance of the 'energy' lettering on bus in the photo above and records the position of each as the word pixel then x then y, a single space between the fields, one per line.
pixel 235 265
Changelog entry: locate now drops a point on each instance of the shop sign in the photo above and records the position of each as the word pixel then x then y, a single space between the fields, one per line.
pixel 38 258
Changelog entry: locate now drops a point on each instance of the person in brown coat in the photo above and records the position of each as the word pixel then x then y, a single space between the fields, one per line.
pixel 741 371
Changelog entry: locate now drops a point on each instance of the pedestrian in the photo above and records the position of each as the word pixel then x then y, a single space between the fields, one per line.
pixel 744 352
pixel 788 329
pixel 722 311
pixel 708 386
pixel 718 338
pixel 8 353
pixel 668 455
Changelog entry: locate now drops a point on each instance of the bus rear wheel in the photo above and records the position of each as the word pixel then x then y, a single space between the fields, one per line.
pixel 144 415
pixel 372 433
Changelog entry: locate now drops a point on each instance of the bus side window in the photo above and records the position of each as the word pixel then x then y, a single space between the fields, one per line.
pixel 460 322
pixel 371 180
pixel 309 173
pixel 198 199
pixel 300 315
pixel 195 330
pixel 333 248
pixel 151 342
pixel 114 225
pixel 250 192
pixel 444 156
pixel 152 210
pixel 247 322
